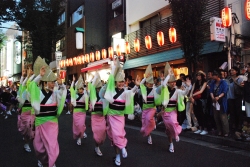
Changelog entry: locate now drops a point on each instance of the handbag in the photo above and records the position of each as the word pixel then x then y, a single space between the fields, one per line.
pixel 197 96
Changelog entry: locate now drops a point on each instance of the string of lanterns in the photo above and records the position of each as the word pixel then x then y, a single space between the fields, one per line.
pixel 91 57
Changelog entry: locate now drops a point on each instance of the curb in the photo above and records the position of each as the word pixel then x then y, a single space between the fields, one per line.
pixel 229 141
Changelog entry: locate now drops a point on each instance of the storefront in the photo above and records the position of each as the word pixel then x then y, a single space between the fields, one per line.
pixel 175 58
pixel 103 67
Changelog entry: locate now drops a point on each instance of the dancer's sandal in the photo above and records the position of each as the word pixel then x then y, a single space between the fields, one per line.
pixel 79 142
pixel 150 140
pixel 117 163
pixel 39 164
pixel 171 149
pixel 27 148
pixel 124 153
pixel 98 152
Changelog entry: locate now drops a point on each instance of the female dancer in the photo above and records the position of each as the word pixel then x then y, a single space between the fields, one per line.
pixel 48 105
pixel 151 98
pixel 172 98
pixel 120 103
pixel 98 122
pixel 25 120
pixel 80 102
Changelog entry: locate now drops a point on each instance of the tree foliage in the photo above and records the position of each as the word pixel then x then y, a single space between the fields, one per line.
pixel 40 18
pixel 188 19
pixel 3 38
pixel 6 8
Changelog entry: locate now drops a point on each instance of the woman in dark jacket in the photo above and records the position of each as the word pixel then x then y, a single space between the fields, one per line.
pixel 218 93
pixel 198 97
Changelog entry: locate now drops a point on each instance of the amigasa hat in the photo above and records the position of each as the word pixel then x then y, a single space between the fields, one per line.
pixel 79 83
pixel 149 75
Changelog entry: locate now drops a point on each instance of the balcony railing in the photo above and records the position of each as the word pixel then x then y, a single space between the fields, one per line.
pixel 214 8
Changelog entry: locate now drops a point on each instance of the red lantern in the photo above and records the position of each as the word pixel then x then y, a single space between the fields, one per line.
pixel 61 64
pixel 160 38
pixel 91 57
pixel 79 60
pixel 172 35
pixel 226 17
pixel 148 42
pixel 75 60
pixel 137 45
pixel 127 47
pixel 97 55
pixel 247 9
pixel 111 52
pixel 67 62
pixel 104 53
pixel 118 50
pixel 87 58
pixel 70 62
pixel 62 74
pixel 83 59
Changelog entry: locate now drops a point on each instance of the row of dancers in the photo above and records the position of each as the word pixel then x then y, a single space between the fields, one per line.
pixel 41 100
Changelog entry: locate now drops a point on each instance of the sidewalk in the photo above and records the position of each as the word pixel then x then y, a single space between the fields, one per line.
pixel 224 141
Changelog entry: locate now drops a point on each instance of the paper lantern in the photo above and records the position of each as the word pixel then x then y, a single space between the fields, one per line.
pixel 127 47
pixel 160 38
pixel 226 17
pixel 91 57
pixel 87 58
pixel 137 45
pixel 61 64
pixel 70 62
pixel 83 59
pixel 75 60
pixel 79 60
pixel 97 55
pixel 104 53
pixel 111 52
pixel 118 50
pixel 172 35
pixel 62 74
pixel 247 9
pixel 67 62
pixel 148 42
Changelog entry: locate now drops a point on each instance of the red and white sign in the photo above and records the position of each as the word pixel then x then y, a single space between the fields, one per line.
pixel 217 30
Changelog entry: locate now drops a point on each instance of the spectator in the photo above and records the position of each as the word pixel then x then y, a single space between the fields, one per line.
pixel 247 92
pixel 234 96
pixel 198 97
pixel 218 92
pixel 131 84
pixel 209 111
pixel 189 109
pixel 245 133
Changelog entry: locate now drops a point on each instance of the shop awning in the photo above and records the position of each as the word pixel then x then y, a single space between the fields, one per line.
pixel 91 68
pixel 169 55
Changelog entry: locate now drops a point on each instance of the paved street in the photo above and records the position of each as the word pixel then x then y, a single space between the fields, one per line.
pixel 188 153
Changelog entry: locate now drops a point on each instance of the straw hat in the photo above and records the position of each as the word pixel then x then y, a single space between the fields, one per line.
pixel 149 73
pixel 97 81
pixel 39 63
pixel 201 73
pixel 79 83
pixel 172 78
pixel 49 75
pixel 119 74
pixel 167 67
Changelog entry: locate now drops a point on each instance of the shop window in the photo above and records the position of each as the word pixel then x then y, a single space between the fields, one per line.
pixel 77 15
pixel 61 18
